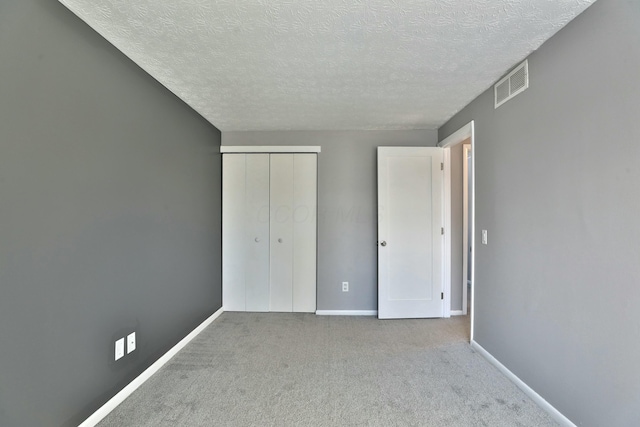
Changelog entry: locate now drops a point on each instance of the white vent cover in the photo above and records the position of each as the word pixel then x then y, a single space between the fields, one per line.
pixel 512 84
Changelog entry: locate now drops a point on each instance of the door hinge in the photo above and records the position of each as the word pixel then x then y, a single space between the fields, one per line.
pixel 441 295
pixel 442 230
pixel 441 166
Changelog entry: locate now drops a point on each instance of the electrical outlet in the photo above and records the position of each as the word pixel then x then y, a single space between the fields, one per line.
pixel 345 286
pixel 131 342
pixel 119 348
pixel 484 237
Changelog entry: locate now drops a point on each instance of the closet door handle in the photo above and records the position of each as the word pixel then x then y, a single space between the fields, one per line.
pixel 257 239
pixel 383 243
pixel 279 240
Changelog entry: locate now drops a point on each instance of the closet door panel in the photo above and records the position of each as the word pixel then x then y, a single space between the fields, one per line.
pixel 281 229
pixel 233 232
pixel 304 232
pixel 257 232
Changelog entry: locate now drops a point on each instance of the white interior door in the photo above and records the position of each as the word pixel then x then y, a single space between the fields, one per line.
pixel 409 232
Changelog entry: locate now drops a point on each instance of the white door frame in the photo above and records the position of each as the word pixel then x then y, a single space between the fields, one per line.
pixel 466 152
pixel 270 149
pixel 465 132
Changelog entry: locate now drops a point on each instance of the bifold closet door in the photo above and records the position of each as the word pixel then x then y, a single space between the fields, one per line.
pixel 233 259
pixel 281 229
pixel 305 199
pixel 245 232
pixel 293 200
pixel 269 232
pixel 257 233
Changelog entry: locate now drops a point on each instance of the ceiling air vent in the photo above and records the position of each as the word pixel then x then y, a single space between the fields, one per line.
pixel 512 84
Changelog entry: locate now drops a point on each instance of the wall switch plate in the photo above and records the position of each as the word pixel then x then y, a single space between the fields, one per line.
pixel 119 348
pixel 131 342
pixel 345 286
pixel 484 237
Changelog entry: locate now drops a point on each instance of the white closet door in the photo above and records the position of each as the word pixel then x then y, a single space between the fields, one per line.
pixel 269 232
pixel 304 232
pixel 281 228
pixel 257 232
pixel 233 231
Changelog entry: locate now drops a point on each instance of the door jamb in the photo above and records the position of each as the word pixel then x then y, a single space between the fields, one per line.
pixel 465 132
pixel 466 152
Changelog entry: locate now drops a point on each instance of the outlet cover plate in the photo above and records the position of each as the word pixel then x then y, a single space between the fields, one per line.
pixel 345 286
pixel 119 348
pixel 131 342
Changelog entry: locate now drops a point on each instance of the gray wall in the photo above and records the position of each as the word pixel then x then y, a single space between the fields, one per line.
pixel 109 217
pixel 347 206
pixel 557 175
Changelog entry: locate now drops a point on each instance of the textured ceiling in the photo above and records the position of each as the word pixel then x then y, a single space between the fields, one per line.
pixel 330 64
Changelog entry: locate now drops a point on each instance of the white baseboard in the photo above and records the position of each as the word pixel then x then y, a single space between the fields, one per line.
pixel 539 400
pixel 347 312
pixel 112 403
pixel 457 312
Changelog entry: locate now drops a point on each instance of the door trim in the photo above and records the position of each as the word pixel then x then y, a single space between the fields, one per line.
pixel 465 132
pixel 466 152
pixel 270 149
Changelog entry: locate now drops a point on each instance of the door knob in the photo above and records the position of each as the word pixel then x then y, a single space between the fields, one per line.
pixel 383 243
pixel 279 240
pixel 257 239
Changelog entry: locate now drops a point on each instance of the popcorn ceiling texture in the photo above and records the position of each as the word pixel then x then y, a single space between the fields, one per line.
pixel 327 65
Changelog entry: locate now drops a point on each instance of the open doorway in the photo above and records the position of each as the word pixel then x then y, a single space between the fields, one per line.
pixel 459 226
pixel 459 201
